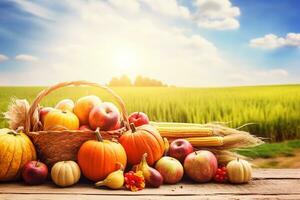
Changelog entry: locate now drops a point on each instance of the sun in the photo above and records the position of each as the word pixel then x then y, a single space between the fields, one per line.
pixel 125 58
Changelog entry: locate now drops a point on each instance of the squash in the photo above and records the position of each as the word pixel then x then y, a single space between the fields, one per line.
pixel 141 140
pixel 16 149
pixel 65 104
pixel 65 173
pixel 61 120
pixel 239 171
pixel 97 159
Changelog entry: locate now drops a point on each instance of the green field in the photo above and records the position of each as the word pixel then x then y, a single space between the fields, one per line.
pixel 275 110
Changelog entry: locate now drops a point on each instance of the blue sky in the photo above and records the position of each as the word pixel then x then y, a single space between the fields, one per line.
pixel 184 43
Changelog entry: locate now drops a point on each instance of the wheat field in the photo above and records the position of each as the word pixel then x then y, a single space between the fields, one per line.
pixel 274 110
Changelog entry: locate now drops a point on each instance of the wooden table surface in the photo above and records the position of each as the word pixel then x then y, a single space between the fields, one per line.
pixel 266 184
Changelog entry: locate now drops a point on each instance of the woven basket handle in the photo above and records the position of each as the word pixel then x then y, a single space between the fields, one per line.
pixel 48 90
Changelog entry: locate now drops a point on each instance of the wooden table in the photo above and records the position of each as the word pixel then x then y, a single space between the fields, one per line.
pixel 267 184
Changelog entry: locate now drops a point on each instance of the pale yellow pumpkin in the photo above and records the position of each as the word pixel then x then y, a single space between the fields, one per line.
pixel 61 120
pixel 239 171
pixel 65 173
pixel 15 150
pixel 65 104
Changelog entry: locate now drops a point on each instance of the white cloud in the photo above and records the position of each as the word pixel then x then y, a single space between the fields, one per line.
pixel 253 76
pixel 272 41
pixel 217 14
pixel 25 57
pixel 129 5
pixel 89 41
pixel 3 58
pixel 90 45
pixel 34 9
pixel 168 7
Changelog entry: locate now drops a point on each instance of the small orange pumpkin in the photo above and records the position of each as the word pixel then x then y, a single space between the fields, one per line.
pixel 60 120
pixel 141 140
pixel 97 159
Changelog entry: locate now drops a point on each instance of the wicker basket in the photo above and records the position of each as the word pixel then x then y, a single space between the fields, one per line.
pixel 54 146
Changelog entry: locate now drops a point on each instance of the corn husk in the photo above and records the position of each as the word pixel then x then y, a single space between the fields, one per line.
pixel 232 138
pixel 16 114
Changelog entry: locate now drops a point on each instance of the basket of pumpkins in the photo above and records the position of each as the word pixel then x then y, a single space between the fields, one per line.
pixel 57 133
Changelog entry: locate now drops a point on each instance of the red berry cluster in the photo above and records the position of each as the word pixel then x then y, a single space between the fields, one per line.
pixel 221 175
pixel 134 181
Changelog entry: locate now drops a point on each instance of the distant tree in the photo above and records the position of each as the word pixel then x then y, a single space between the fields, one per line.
pixel 122 81
pixel 114 82
pixel 147 82
pixel 125 81
pixel 139 81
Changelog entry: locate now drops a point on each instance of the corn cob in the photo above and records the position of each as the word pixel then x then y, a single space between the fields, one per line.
pixel 176 124
pixel 180 132
pixel 214 141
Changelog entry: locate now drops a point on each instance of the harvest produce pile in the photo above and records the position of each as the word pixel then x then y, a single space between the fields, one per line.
pixel 97 140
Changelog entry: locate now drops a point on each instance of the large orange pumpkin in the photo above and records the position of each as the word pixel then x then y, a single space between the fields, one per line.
pixel 97 159
pixel 140 140
pixel 15 150
pixel 60 120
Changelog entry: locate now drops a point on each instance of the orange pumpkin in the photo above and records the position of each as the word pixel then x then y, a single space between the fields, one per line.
pixel 60 120
pixel 141 140
pixel 97 159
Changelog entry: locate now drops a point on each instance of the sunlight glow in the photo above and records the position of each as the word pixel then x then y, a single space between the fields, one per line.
pixel 125 58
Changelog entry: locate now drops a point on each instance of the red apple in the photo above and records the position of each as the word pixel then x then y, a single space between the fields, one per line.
pixel 180 148
pixel 43 112
pixel 117 126
pixel 138 118
pixel 105 116
pixel 83 107
pixel 85 128
pixel 34 172
pixel 201 166
pixel 170 168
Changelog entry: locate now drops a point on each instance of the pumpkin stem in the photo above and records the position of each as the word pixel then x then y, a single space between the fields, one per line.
pixel 13 132
pixel 238 159
pixel 98 135
pixel 132 127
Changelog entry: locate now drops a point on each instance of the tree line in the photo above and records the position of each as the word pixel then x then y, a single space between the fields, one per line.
pixel 139 81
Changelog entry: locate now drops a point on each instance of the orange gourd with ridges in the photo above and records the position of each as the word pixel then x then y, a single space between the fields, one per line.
pixel 140 140
pixel 97 159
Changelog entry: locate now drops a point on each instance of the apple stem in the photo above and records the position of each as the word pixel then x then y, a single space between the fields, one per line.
pixel 132 127
pixel 98 135
pixel 37 162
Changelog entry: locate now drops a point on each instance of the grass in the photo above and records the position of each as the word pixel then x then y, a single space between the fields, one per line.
pixel 275 110
pixel 272 150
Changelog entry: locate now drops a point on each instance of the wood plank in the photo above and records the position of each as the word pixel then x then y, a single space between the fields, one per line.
pixel 113 197
pixel 276 173
pixel 264 186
